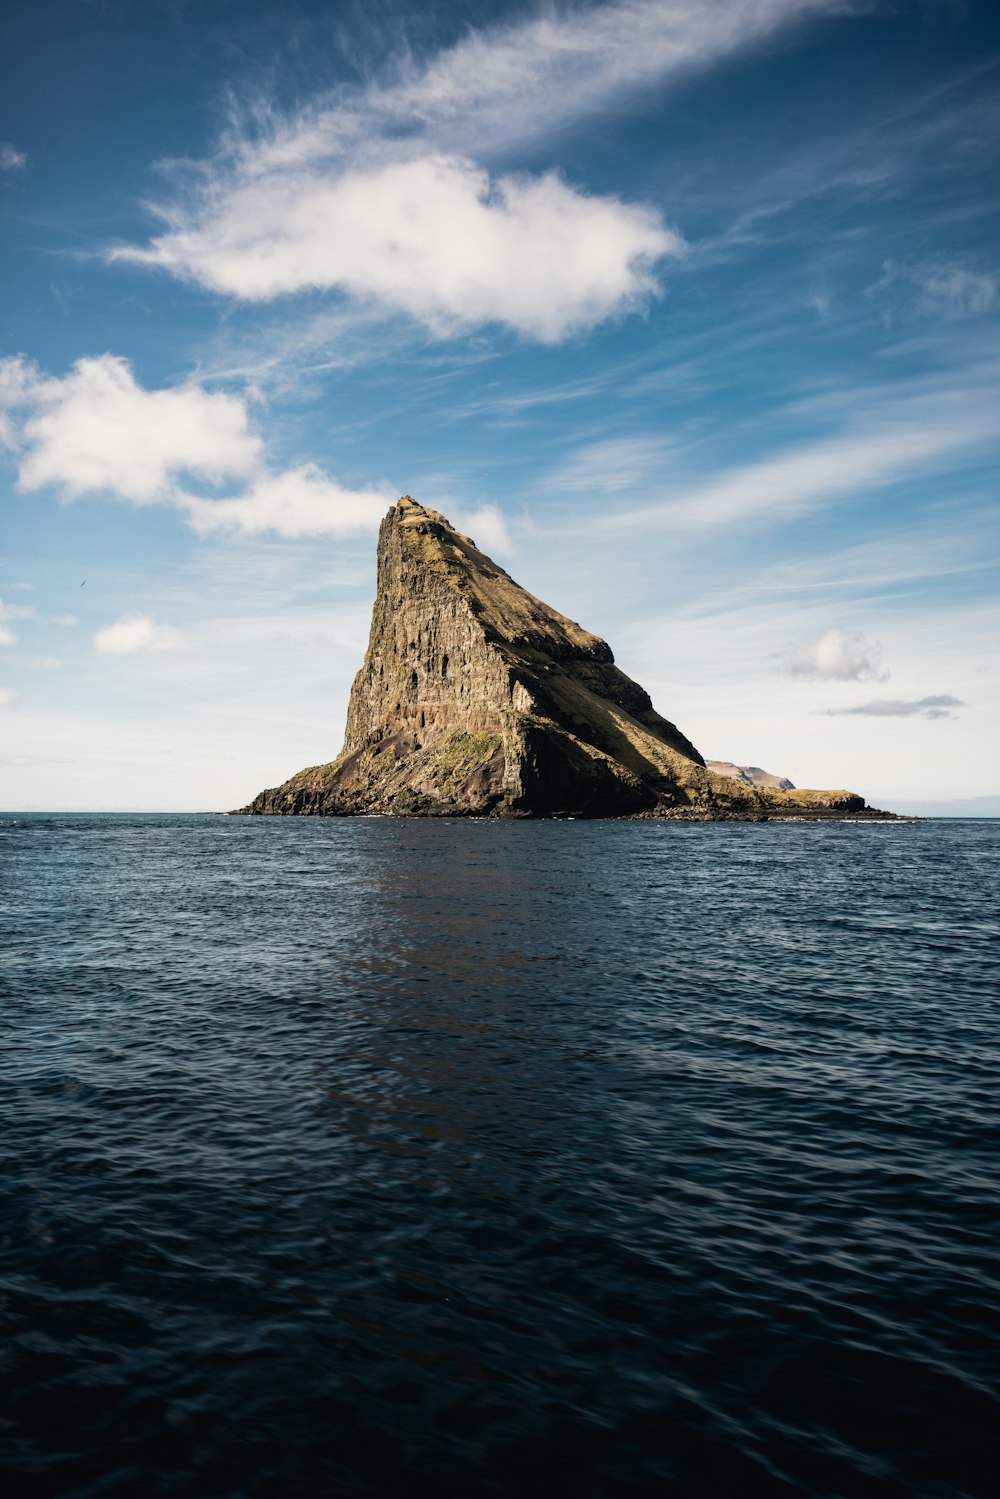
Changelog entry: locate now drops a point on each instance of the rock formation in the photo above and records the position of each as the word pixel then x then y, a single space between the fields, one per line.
pixel 476 699
pixel 750 775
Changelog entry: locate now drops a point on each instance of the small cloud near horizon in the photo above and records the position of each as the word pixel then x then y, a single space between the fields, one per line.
pixel 939 706
pixel 838 656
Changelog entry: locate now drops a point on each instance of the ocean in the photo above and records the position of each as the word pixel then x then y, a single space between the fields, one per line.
pixel 388 1157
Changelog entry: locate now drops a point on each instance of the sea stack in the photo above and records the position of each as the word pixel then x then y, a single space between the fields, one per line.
pixel 477 700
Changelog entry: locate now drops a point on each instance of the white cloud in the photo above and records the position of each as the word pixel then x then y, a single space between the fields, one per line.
pixel 614 466
pixel 485 526
pixel 944 286
pixel 433 238
pixel 372 192
pixel 96 429
pixel 955 291
pixel 10 612
pixel 521 79
pixel 838 656
pixel 18 380
pixel 301 501
pixel 512 82
pixel 7 696
pixel 11 159
pixel 135 632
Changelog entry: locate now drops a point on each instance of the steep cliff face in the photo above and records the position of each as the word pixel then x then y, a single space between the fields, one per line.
pixel 477 699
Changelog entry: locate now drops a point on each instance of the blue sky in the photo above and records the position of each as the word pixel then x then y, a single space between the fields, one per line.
pixel 687 311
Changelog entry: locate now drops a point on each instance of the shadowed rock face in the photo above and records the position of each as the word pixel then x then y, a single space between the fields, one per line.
pixel 477 699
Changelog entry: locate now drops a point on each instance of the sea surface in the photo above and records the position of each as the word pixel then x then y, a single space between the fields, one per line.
pixel 385 1157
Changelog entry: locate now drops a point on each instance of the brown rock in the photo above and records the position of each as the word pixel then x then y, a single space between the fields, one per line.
pixel 750 775
pixel 476 699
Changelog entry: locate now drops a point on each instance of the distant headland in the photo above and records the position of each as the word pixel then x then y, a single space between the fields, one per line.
pixel 477 700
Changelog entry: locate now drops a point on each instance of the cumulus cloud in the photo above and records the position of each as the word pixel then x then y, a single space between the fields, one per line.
pixel 433 237
pixel 299 502
pixel 939 706
pixel 11 159
pixel 838 656
pixel 97 431
pixel 373 192
pixel 135 632
pixel 485 526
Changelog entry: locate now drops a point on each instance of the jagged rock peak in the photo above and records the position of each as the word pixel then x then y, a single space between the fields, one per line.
pixel 475 698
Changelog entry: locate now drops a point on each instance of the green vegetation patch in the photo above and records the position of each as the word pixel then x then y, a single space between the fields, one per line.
pixel 466 748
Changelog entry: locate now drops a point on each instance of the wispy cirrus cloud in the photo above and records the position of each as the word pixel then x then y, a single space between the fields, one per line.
pixel 97 431
pixel 874 439
pixel 374 193
pixel 940 705
pixel 812 475
pixel 945 286
pixel 133 633
pixel 518 81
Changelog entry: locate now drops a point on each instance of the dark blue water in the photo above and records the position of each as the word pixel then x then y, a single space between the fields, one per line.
pixel 384 1157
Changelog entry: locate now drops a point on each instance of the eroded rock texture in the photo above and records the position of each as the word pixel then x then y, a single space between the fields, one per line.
pixel 476 699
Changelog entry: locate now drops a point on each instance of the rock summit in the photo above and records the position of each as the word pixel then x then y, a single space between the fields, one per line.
pixel 476 699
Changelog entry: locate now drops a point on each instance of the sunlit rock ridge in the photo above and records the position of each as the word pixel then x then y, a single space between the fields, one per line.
pixel 476 699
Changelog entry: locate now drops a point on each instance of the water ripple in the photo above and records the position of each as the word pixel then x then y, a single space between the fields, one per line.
pixel 370 1157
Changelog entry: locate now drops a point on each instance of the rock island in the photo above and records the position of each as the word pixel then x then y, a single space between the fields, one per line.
pixel 476 699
